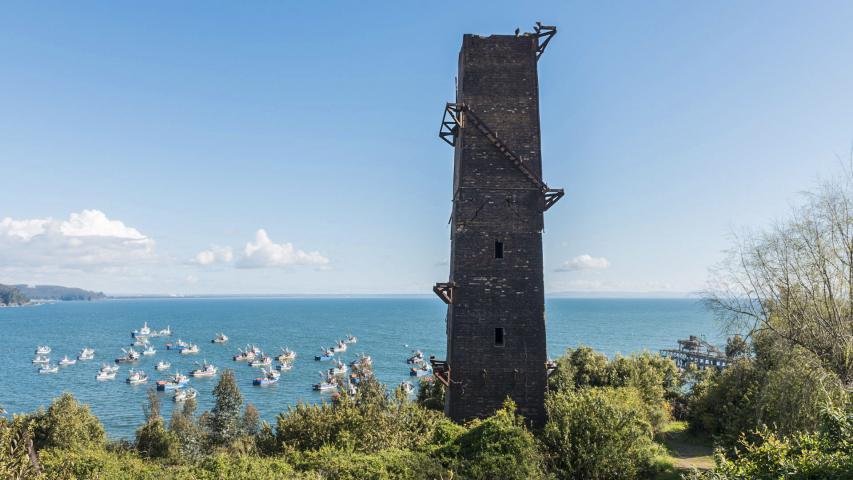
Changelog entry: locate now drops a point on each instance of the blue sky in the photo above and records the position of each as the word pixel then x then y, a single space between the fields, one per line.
pixel 144 147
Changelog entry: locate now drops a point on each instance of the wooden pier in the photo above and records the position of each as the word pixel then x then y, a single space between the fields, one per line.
pixel 696 351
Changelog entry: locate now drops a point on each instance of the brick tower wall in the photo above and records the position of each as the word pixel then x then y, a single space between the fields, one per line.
pixel 494 201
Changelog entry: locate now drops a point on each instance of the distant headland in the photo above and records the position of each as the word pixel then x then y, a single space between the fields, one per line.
pixel 17 295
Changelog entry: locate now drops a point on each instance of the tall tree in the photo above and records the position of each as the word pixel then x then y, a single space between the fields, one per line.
pixel 795 280
pixel 224 423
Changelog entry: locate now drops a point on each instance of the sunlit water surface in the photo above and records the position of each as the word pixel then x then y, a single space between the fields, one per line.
pixel 387 329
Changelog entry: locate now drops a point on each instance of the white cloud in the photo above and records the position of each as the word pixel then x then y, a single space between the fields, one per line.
pixel 214 255
pixel 88 240
pixel 265 253
pixel 584 262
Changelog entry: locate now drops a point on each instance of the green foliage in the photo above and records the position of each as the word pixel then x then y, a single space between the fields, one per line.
pixel 737 347
pixel 224 423
pixel 431 394
pixel 16 445
pixel 598 433
pixel 187 432
pixel 827 455
pixel 785 390
pixel 366 424
pixel 651 375
pixel 498 447
pixel 251 420
pixel 388 464
pixel 243 467
pixel 67 424
pixel 98 463
pixel 153 440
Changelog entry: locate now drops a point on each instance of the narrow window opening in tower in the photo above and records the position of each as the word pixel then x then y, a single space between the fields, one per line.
pixel 499 337
pixel 499 249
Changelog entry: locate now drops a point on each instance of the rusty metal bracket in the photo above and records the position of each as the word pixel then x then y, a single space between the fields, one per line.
pixel 543 31
pixel 440 370
pixel 552 195
pixel 445 291
pixel 451 122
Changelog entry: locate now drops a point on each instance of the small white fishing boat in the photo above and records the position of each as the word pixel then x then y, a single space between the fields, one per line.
pixel 363 361
pixel 166 332
pixel 328 354
pixel 206 370
pixel 149 350
pixel 139 342
pixel 329 383
pixel 86 354
pixel 104 376
pixel 41 359
pixel 67 361
pixel 421 371
pixel 340 347
pixel 108 368
pixel 48 368
pixel 142 332
pixel 136 377
pixel 263 361
pixel 407 387
pixel 248 354
pixel 284 366
pixel 130 356
pixel 270 377
pixel 42 350
pixel 351 339
pixel 416 358
pixel 220 338
pixel 179 345
pixel 174 382
pixel 287 355
pixel 185 394
pixel 338 369
pixel 190 349
pixel 162 365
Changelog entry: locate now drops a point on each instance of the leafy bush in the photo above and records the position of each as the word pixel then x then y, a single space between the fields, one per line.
pixel 16 446
pixel 498 447
pixel 431 394
pixel 63 464
pixel 598 433
pixel 67 424
pixel 651 375
pixel 784 391
pixel 396 464
pixel 368 425
pixel 827 455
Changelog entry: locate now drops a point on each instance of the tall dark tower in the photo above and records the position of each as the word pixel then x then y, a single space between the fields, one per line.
pixel 495 295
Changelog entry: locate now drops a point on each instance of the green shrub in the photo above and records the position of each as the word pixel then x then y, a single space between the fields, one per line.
pixel 655 378
pixel 361 426
pixel 389 464
pixel 67 424
pixel 98 463
pixel 785 392
pixel 497 447
pixel 827 455
pixel 598 433
pixel 16 445
pixel 244 467
pixel 431 394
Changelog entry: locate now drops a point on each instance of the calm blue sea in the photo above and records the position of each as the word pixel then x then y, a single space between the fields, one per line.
pixel 387 329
